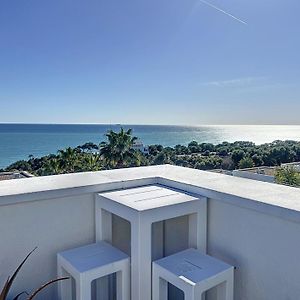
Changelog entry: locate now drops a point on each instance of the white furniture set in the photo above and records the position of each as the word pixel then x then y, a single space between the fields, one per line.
pixel 138 277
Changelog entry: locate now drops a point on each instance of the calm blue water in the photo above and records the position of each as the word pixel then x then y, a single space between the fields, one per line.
pixel 18 141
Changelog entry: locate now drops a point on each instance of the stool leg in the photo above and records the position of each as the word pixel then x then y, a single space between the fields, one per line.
pixel 225 290
pixel 64 287
pixel 102 289
pixel 159 288
pixel 155 286
pixel 220 291
pixel 141 260
pixel 229 288
pixel 83 290
pixel 190 294
pixel 123 284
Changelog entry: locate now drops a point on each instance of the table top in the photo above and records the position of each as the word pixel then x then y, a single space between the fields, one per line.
pixel 149 197
pixel 192 265
pixel 92 256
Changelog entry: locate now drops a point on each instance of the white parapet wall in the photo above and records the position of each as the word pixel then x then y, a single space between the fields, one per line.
pixel 253 225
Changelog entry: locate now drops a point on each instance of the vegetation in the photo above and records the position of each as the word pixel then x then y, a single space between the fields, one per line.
pixel 7 286
pixel 246 162
pixel 288 176
pixel 117 152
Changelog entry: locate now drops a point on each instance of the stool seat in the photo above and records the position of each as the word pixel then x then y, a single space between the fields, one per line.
pixel 93 256
pixel 194 273
pixel 193 266
pixel 91 262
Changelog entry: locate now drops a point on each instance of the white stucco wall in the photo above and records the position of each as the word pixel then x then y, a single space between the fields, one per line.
pixel 252 225
pixel 52 225
pixel 264 248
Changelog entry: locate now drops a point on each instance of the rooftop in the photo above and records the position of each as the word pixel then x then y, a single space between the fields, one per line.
pixel 266 197
pixel 251 225
pixel 14 175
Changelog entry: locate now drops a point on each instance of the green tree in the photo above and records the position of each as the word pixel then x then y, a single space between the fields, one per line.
pixel 117 150
pixel 91 162
pixel 237 155
pixel 88 147
pixel 246 162
pixel 222 151
pixel 155 149
pixel 181 150
pixel 288 176
pixel 68 158
pixel 257 159
pixel 53 166
pixel 207 147
pixel 162 158
pixel 139 159
pixel 193 147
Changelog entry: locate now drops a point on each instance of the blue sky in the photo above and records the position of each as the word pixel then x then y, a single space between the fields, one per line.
pixel 150 61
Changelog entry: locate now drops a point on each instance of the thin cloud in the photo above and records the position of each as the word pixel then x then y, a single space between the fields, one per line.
pixel 238 82
pixel 224 12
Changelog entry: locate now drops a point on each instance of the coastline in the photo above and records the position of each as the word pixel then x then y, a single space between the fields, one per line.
pixel 18 141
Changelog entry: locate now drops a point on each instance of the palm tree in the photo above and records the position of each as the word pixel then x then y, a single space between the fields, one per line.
pixel 139 159
pixel 91 162
pixel 118 149
pixel 68 158
pixel 53 166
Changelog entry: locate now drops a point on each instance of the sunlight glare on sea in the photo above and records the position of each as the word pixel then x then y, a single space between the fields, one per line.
pixel 18 141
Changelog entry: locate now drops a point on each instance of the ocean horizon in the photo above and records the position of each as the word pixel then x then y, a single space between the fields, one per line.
pixel 19 140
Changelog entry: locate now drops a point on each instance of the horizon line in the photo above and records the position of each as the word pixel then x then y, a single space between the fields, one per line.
pixel 132 124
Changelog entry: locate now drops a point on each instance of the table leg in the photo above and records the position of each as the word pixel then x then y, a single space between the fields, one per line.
pixel 198 228
pixel 141 260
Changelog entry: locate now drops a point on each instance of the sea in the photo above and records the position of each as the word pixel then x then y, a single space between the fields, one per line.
pixel 19 141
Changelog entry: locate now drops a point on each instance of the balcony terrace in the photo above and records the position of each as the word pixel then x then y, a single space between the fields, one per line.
pixel 251 225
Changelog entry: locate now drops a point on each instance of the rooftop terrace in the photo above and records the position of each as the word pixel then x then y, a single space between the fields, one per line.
pixel 252 225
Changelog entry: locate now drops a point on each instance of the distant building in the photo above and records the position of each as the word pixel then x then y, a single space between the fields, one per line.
pixel 14 175
pixel 221 171
pixel 138 145
pixel 295 165
pixel 266 174
pixel 263 173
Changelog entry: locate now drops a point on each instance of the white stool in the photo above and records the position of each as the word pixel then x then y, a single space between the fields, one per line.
pixel 193 273
pixel 91 262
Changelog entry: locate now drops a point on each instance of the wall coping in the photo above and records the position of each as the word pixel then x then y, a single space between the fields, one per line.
pixel 278 200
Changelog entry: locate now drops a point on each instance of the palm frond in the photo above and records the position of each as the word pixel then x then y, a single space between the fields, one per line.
pixel 10 281
pixel 46 285
pixel 19 295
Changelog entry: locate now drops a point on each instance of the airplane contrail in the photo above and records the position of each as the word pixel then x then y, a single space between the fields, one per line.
pixel 223 11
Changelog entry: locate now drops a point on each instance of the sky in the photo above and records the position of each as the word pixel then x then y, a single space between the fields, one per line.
pixel 186 62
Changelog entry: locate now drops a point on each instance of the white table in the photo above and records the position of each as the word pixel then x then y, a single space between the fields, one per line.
pixel 142 207
pixel 194 273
